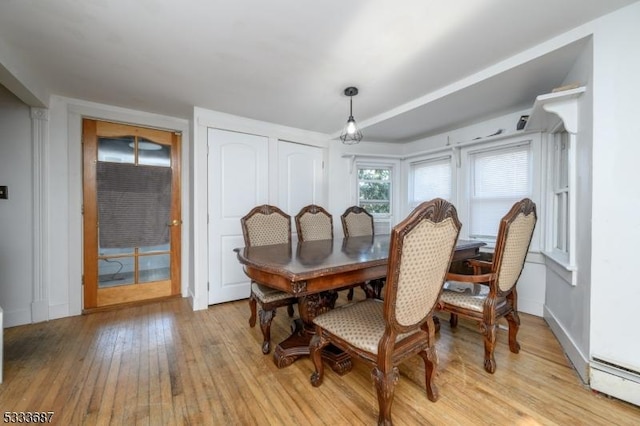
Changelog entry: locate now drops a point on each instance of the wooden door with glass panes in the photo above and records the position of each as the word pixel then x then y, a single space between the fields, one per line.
pixel 131 213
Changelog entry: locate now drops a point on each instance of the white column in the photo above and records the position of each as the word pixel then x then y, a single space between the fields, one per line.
pixel 40 152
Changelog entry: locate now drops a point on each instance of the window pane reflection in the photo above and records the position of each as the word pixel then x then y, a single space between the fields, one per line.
pixel 151 249
pixel 116 150
pixel 153 268
pixel 153 154
pixel 115 272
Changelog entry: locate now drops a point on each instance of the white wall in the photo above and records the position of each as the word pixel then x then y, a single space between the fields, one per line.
pixel 615 290
pixel 16 243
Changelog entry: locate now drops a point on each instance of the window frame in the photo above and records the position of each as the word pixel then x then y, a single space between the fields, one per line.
pixel 372 165
pixel 563 262
pixel 560 193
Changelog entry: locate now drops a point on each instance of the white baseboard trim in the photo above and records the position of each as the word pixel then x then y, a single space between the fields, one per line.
pixel 575 355
pixel 60 311
pixel 40 311
pixel 198 304
pixel 19 317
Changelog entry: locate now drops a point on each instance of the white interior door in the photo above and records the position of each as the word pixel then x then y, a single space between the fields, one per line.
pixel 300 177
pixel 238 181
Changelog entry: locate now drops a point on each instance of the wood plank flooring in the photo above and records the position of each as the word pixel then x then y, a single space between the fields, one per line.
pixel 163 364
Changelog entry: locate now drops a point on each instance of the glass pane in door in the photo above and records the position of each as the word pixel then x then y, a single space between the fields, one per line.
pixel 116 150
pixel 134 202
pixel 153 154
pixel 114 272
pixel 154 268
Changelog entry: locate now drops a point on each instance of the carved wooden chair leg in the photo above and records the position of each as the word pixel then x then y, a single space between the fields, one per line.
pixel 453 320
pixel 253 308
pixel 266 316
pixel 385 384
pixel 514 322
pixel 315 352
pixel 377 286
pixel 290 310
pixel 430 358
pixel 514 325
pixel 369 293
pixel 489 332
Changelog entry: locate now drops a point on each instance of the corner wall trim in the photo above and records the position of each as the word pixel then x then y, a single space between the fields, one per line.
pixel 40 153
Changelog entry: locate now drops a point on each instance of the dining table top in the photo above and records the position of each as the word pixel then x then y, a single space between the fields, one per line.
pixel 306 260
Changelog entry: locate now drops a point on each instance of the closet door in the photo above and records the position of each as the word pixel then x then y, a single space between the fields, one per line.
pixel 238 180
pixel 300 177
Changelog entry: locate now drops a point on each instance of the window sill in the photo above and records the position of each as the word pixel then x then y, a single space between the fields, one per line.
pixel 559 264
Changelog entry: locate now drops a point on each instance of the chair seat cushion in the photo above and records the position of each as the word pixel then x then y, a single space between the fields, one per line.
pixel 361 324
pixel 267 294
pixel 464 298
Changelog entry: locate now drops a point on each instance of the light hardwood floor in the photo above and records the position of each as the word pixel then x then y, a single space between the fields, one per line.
pixel 163 364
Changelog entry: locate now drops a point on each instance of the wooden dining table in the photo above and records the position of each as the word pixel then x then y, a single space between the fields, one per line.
pixel 313 271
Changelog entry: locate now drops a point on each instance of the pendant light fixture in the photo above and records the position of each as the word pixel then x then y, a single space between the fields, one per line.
pixel 351 134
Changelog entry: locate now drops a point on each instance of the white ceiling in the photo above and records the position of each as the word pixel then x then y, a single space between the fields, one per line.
pixel 288 61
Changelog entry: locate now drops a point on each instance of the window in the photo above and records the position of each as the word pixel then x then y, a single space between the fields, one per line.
pixel 374 189
pixel 498 178
pixel 561 215
pixel 430 179
pixel 560 192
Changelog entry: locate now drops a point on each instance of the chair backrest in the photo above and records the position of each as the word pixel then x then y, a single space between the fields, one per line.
pixel 314 223
pixel 512 244
pixel 356 222
pixel 420 253
pixel 265 225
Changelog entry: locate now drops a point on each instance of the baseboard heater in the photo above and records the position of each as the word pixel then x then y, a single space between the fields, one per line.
pixel 614 380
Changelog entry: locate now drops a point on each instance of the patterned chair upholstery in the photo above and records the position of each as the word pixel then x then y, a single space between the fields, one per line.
pixel 265 225
pixel 385 333
pixel 314 223
pixel 357 222
pixel 498 276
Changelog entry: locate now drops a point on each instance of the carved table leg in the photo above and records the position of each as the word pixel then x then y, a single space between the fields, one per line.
pixel 297 344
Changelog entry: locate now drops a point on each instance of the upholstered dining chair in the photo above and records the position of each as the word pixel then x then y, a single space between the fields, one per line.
pixel 314 223
pixel 357 222
pixel 385 333
pixel 265 225
pixel 498 275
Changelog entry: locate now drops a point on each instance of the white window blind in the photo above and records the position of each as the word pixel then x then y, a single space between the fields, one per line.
pixel 499 178
pixel 431 179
